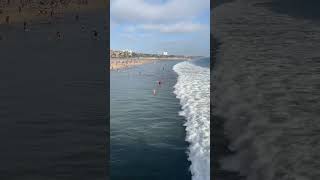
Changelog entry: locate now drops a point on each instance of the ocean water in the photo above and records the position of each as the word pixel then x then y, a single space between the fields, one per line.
pixel 53 101
pixel 147 133
pixel 267 88
pixel 202 62
pixel 162 136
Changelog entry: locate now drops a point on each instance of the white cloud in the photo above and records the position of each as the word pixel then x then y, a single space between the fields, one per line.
pixel 135 37
pixel 179 27
pixel 129 36
pixel 142 11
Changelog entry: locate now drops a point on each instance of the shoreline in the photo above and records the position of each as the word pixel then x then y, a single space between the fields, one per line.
pixel 125 63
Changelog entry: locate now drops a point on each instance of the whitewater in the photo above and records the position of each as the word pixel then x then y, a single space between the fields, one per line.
pixel 193 90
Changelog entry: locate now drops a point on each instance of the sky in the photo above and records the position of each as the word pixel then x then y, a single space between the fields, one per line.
pixel 180 27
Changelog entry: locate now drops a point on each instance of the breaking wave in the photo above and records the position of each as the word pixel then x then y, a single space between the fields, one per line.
pixel 193 90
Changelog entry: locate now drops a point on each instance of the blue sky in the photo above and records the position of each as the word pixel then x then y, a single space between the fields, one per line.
pixel 153 26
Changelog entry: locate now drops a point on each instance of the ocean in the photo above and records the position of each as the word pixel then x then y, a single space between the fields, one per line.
pixel 53 102
pixel 266 88
pixel 161 136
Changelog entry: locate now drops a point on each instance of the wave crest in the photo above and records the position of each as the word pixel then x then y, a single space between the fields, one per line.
pixel 193 90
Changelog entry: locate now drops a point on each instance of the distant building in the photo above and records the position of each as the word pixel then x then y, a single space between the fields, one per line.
pixel 121 53
pixel 130 52
pixel 165 53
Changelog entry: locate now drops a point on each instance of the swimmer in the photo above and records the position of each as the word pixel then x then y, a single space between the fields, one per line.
pixel 95 34
pixel 59 36
pixel 82 28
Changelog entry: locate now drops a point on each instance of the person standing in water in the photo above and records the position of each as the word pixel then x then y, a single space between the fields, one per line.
pixel 154 92
pixel 25 26
pixel 59 35
pixel 95 34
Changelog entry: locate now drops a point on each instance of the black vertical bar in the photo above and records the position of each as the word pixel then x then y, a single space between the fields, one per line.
pixel 107 70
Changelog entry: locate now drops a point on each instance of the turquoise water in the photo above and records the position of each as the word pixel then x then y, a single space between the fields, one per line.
pixel 147 133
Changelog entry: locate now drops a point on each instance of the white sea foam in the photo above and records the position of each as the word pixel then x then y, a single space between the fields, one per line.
pixel 193 90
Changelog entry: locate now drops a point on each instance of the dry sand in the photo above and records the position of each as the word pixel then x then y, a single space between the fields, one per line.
pixel 123 63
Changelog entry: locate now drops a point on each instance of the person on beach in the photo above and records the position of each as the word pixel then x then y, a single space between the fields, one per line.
pixel 77 17
pixel 7 19
pixel 19 9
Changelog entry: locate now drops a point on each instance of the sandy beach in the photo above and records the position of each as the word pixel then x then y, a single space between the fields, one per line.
pixel 124 63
